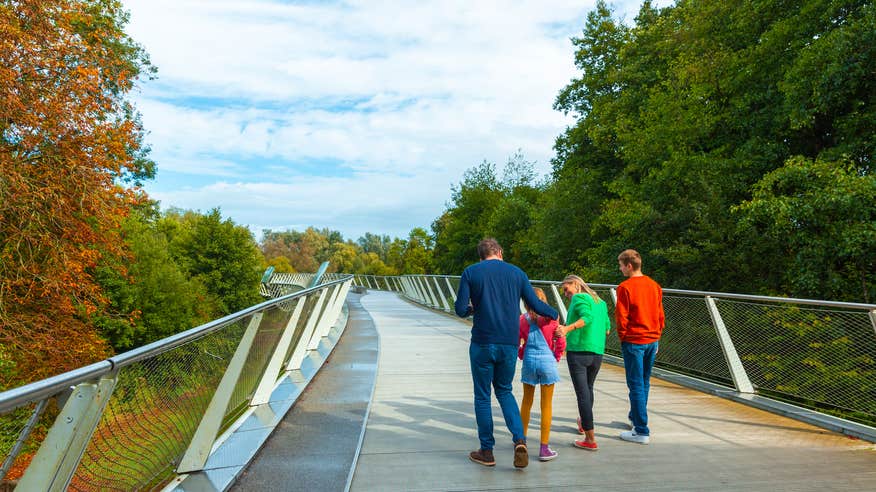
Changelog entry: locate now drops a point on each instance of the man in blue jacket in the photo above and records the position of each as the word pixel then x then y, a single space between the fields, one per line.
pixel 491 290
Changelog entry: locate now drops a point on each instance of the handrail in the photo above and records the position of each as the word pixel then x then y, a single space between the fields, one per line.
pixel 725 295
pixel 165 344
pixel 39 390
pixel 45 388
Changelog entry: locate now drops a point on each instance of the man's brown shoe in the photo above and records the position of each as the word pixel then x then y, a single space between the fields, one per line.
pixel 483 457
pixel 521 455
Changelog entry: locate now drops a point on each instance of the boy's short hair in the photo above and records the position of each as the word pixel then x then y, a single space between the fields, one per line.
pixel 488 247
pixel 630 257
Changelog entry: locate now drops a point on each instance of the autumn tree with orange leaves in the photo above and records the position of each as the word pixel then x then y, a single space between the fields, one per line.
pixel 71 160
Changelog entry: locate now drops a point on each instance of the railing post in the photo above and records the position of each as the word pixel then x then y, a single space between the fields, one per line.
pixel 303 344
pixel 269 378
pixel 332 310
pixel 411 288
pixel 312 342
pixel 560 304
pixel 418 286
pixel 873 320
pixel 613 295
pixel 432 298
pixel 198 451
pixel 432 294
pixel 58 456
pixel 734 363
pixel 450 288
pixel 441 295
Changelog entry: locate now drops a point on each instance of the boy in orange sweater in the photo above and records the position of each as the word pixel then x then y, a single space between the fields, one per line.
pixel 640 322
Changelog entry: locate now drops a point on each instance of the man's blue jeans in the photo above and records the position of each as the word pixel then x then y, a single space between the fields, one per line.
pixel 494 364
pixel 638 361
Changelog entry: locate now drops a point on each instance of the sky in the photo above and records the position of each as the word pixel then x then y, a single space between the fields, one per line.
pixel 357 116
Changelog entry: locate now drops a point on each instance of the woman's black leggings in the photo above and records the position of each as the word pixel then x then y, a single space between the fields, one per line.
pixel 583 368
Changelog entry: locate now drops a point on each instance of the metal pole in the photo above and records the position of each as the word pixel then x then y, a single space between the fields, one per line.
pixel 560 304
pixel 441 295
pixel 432 299
pixel 450 288
pixel 202 442
pixel 873 319
pixel 269 378
pixel 734 363
pixel 419 288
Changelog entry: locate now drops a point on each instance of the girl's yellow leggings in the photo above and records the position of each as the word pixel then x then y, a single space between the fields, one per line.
pixel 547 396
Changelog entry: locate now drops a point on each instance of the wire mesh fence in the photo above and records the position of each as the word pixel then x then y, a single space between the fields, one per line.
pixel 159 395
pixel 810 353
pixel 21 433
pixel 822 358
pixel 153 413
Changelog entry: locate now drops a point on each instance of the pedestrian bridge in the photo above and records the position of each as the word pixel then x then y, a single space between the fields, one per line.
pixel 362 383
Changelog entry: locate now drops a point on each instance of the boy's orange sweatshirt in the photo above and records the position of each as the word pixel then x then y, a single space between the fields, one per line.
pixel 639 310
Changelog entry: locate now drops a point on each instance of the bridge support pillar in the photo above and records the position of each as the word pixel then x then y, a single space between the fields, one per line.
pixel 198 451
pixel 734 363
pixel 263 391
pixel 58 456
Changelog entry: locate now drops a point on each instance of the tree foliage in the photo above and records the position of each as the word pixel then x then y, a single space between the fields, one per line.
pixel 730 142
pixel 69 142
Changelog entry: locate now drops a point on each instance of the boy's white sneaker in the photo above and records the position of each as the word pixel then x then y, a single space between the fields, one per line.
pixel 631 436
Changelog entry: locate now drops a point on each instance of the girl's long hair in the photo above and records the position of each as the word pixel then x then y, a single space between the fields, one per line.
pixel 532 314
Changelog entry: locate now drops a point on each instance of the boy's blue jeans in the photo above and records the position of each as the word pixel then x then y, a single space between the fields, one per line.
pixel 494 364
pixel 638 362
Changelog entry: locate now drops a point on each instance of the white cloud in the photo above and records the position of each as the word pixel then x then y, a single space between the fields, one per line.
pixel 394 94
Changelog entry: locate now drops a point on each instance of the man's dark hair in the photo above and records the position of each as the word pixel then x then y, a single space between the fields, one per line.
pixel 489 246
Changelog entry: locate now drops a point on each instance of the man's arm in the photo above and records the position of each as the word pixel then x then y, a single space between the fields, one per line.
pixel 534 302
pixel 622 311
pixel 662 314
pixel 463 297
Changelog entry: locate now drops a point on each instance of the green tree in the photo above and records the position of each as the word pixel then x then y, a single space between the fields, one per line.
pixel 466 219
pixel 815 222
pixel 221 255
pixel 417 255
pixel 156 298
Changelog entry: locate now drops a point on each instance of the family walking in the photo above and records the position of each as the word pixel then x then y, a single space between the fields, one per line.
pixel 491 291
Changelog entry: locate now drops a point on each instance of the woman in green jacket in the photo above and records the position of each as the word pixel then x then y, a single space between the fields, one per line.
pixel 586 326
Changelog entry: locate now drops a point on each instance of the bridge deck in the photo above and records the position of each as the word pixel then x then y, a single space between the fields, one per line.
pixel 422 426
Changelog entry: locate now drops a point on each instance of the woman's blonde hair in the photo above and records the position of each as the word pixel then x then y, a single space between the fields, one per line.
pixel 582 286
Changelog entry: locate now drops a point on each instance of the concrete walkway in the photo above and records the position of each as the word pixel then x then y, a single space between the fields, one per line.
pixel 422 426
pixel 314 447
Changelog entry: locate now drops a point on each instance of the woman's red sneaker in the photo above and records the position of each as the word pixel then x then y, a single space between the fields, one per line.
pixel 589 446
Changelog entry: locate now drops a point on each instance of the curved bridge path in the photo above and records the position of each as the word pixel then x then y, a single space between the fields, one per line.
pixel 422 426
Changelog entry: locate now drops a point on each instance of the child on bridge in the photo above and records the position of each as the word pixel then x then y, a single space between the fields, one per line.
pixel 540 350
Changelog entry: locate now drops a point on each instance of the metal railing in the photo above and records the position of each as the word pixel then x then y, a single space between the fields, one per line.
pixel 819 355
pixel 134 421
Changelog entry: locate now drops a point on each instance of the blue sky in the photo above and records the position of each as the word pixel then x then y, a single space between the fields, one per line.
pixel 357 115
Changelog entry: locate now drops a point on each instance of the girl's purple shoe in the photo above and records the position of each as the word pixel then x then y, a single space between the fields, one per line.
pixel 546 453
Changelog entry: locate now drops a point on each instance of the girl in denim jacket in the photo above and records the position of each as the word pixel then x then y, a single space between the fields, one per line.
pixel 540 349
